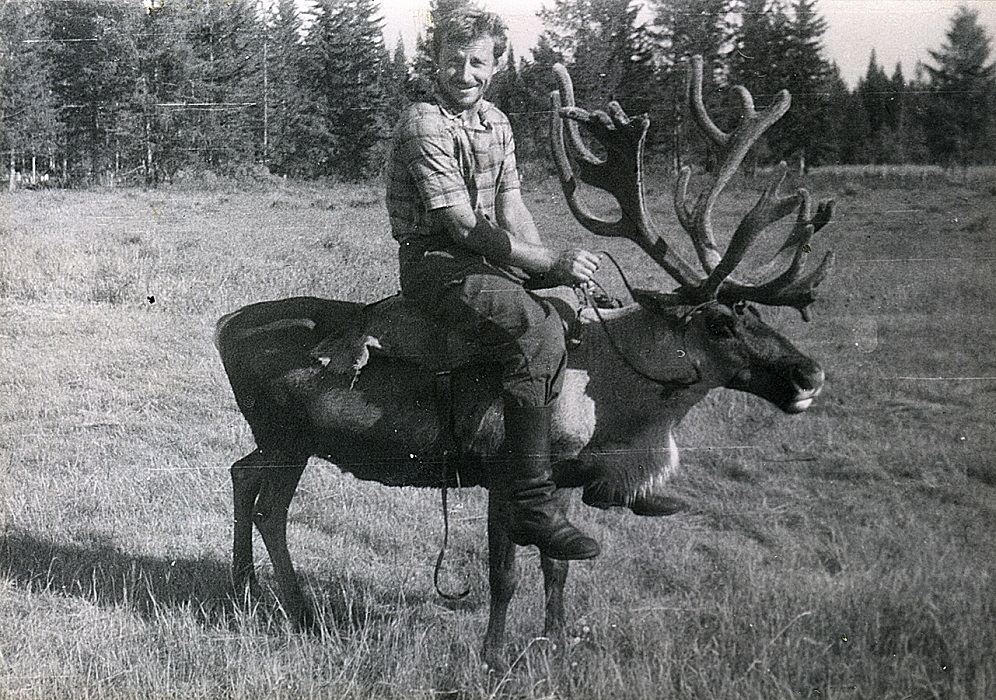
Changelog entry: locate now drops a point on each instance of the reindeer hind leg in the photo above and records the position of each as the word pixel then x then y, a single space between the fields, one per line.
pixel 270 516
pixel 247 480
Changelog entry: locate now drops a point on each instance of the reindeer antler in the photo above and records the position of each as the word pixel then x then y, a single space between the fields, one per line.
pixel 620 174
pixel 780 283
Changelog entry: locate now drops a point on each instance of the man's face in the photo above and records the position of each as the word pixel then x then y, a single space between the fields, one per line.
pixel 465 72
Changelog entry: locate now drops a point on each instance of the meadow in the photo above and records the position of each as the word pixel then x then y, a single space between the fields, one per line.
pixel 848 552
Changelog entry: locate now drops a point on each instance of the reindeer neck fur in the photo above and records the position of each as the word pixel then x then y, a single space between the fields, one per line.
pixel 621 421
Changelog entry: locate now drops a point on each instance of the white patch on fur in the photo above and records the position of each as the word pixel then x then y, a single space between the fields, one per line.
pixel 658 481
pixel 573 416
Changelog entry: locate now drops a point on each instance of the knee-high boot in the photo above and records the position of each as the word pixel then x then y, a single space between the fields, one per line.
pixel 534 515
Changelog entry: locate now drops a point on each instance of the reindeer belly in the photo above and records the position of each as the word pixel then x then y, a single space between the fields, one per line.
pixel 392 426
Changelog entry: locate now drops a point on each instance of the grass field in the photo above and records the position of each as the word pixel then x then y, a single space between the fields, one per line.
pixel 845 553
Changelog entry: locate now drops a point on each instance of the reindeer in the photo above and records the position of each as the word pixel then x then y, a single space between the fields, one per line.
pixel 633 372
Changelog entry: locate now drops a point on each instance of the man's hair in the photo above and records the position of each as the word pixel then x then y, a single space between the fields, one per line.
pixel 466 24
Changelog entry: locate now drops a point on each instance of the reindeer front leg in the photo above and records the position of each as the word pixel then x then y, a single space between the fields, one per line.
pixel 554 580
pixel 502 578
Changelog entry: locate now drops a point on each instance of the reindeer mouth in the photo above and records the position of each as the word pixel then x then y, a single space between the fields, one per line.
pixel 802 403
pixel 807 388
pixel 792 390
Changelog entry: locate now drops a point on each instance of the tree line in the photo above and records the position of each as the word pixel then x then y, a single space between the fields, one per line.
pixel 99 91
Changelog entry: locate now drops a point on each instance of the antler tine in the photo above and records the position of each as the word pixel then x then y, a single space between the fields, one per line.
pixel 620 174
pixel 565 94
pixel 785 290
pixel 797 244
pixel 734 147
pixel 791 288
pixel 769 209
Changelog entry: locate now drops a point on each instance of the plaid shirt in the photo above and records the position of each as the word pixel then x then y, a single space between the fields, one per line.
pixel 436 161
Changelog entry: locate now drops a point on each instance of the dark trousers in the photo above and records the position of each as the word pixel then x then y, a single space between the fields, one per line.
pixel 489 306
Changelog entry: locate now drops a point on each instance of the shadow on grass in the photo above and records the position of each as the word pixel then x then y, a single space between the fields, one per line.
pixel 101 573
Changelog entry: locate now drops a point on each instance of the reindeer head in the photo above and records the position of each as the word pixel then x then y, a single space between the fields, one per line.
pixel 781 282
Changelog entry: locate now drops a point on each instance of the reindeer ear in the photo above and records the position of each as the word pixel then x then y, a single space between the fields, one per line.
pixel 653 300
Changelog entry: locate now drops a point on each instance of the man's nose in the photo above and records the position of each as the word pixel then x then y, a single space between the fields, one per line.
pixel 466 74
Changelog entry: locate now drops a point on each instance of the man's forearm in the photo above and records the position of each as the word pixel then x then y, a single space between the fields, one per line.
pixel 503 248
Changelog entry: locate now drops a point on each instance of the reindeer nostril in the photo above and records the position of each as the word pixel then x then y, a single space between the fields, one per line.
pixel 808 377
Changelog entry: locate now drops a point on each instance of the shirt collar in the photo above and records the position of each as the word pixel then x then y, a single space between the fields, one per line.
pixel 482 113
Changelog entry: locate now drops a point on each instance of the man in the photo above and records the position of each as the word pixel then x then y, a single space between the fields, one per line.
pixel 467 246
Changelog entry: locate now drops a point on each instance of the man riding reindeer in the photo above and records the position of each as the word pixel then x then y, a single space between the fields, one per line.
pixel 468 248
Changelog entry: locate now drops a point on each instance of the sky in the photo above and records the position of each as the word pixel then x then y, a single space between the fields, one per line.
pixel 900 31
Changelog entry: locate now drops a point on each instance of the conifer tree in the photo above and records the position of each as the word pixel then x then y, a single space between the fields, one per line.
pixel 761 46
pixel 163 55
pixel 223 99
pixel 92 77
pixel 602 43
pixel 855 131
pixel 779 46
pixel 804 134
pixel 875 92
pixel 682 29
pixel 961 126
pixel 685 28
pixel 30 124
pixel 396 78
pixel 838 111
pixel 285 99
pixel 758 63
pixel 346 131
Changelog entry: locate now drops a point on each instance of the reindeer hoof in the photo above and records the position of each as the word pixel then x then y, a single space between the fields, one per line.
pixel 657 506
pixel 649 505
pixel 304 618
pixel 494 663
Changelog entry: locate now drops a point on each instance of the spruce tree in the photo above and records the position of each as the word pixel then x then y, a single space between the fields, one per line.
pixel 874 89
pixel 855 131
pixel 961 126
pixel 92 76
pixel 346 131
pixel 762 42
pixel 30 125
pixel 163 54
pixel 779 46
pixel 223 98
pixel 601 42
pixel 682 29
pixel 285 99
pixel 804 135
pixel 838 106
pixel 396 78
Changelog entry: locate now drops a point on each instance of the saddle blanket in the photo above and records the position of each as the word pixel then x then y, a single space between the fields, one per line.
pixel 395 328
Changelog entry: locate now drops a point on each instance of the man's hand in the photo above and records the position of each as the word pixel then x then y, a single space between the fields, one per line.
pixel 574 267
